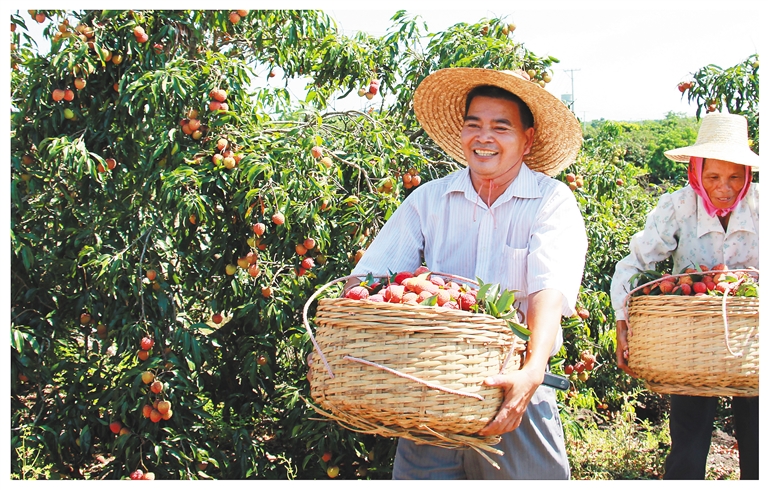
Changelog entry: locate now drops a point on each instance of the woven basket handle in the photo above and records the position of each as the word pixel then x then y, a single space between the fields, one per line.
pixel 345 278
pixel 725 297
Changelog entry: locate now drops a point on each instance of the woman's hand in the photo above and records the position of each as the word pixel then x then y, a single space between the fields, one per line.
pixel 622 348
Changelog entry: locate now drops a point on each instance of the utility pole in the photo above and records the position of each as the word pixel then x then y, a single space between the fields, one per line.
pixel 572 94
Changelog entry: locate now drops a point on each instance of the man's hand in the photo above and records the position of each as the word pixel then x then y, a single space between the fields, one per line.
pixel 544 314
pixel 519 387
pixel 622 348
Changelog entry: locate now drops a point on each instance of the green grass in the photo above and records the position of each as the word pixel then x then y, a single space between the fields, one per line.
pixel 619 447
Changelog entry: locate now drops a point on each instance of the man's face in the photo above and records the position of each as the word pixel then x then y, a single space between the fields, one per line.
pixel 493 138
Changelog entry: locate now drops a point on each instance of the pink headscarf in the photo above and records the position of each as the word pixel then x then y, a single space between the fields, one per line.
pixel 695 166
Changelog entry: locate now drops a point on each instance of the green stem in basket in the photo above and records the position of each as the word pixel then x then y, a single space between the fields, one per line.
pixel 500 304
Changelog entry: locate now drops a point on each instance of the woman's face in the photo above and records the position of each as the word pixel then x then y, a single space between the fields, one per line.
pixel 722 181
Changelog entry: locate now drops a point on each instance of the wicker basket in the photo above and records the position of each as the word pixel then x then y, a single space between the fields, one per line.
pixel 696 345
pixel 407 371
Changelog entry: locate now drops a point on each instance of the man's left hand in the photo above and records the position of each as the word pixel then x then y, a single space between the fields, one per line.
pixel 519 387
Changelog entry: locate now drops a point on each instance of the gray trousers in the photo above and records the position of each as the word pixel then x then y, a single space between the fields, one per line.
pixel 533 451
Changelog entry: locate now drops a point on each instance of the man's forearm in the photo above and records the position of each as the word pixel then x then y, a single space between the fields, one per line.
pixel 544 315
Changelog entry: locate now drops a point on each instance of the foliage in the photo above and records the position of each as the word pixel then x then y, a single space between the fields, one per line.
pixel 109 185
pixel 644 143
pixel 734 90
pixel 615 447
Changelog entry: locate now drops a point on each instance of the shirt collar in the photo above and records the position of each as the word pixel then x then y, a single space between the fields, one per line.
pixel 525 186
pixel 740 220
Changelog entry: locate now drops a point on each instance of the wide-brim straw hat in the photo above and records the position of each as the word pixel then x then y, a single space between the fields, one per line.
pixel 440 100
pixel 722 136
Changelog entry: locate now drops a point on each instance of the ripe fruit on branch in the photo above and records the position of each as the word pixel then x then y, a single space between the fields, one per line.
pixel 253 270
pixel 85 318
pixel 308 263
pixel 143 355
pixel 151 274
pixel 217 318
pixel 163 406
pixel 137 475
pixel 278 218
pixel 326 456
pixel 309 243
pixel 333 471
pixel 218 94
pixel 301 249
pixel 115 427
pixel 316 151
pixel 57 95
pixel 259 228
pixel 69 95
pixel 156 387
pixel 155 416
pixel 147 343
pixel 147 377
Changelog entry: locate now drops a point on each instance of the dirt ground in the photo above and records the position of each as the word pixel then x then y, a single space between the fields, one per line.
pixel 723 459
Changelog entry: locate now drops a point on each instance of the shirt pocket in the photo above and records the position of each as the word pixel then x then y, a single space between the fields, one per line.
pixel 514 273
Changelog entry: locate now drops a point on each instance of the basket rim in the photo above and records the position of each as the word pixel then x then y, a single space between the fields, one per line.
pixel 317 293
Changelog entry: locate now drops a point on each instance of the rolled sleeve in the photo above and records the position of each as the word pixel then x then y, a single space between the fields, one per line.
pixel 558 249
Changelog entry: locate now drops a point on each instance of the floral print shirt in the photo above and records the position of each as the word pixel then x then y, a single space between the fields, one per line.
pixel 680 227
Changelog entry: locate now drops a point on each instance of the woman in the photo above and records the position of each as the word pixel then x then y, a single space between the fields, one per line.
pixel 712 220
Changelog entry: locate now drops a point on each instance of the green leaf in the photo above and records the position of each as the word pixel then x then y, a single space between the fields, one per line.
pixel 481 293
pixel 519 330
pixel 506 300
pixel 431 301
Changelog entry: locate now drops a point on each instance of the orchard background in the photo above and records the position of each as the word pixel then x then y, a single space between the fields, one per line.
pixel 170 217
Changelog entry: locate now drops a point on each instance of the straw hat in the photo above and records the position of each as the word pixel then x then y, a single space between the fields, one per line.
pixel 440 100
pixel 721 136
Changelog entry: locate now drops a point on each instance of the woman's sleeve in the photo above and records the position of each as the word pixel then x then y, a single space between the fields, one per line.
pixel 653 244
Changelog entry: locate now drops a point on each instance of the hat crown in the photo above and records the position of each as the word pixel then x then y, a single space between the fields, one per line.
pixel 723 129
pixel 722 137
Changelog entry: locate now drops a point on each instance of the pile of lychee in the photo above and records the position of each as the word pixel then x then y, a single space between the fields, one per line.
pixel 414 288
pixel 717 280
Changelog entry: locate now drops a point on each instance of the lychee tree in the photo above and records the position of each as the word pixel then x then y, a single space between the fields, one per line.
pixel 733 89
pixel 171 151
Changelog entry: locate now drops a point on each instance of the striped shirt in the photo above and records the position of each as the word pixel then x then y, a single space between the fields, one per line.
pixel 532 237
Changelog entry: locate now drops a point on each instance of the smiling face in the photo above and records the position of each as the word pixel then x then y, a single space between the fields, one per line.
pixel 722 181
pixel 493 139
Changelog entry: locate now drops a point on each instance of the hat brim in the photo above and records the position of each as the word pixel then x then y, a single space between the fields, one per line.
pixel 440 99
pixel 734 154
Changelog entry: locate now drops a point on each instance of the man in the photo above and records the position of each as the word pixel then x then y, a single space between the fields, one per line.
pixel 504 220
